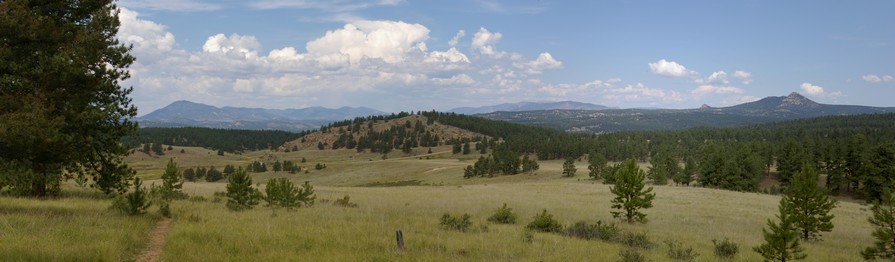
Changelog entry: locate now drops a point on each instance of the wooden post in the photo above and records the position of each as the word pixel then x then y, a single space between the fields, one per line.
pixel 400 237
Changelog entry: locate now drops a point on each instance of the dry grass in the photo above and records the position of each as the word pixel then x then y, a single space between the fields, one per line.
pixel 207 231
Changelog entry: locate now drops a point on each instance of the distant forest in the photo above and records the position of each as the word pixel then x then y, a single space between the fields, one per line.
pixel 225 140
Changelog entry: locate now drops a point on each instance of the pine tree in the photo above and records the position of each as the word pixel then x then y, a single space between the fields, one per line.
pixel 242 195
pixel 630 195
pixel 782 240
pixel 568 167
pixel 595 164
pixel 171 187
pixel 280 192
pixel 686 176
pixel 884 220
pixel 810 204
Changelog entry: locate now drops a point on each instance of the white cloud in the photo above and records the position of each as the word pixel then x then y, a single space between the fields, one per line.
pixel 456 39
pixel 717 77
pixel 745 77
pixel 712 89
pixel 461 79
pixel 670 68
pixel 877 79
pixel 387 40
pixel 484 41
pixel 246 45
pixel 812 89
pixel 147 37
pixel 543 62
pixel 449 56
pixel 326 5
pixel 170 5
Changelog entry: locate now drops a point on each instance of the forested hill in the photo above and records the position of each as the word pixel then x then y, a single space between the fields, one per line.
pixel 770 109
pixel 155 140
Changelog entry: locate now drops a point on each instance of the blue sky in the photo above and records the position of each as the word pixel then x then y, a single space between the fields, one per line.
pixel 397 55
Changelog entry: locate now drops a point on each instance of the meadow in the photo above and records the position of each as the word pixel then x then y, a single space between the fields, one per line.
pixel 79 226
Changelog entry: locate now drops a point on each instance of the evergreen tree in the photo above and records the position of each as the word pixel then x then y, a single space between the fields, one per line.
pixel 883 219
pixel 782 240
pixel 213 175
pixel 595 164
pixel 790 160
pixel 171 187
pixel 189 175
pixel 63 110
pixel 280 192
pixel 630 195
pixel 879 173
pixel 456 148
pixel 686 175
pixel 568 167
pixel 810 204
pixel 240 192
pixel 663 167
pixel 466 150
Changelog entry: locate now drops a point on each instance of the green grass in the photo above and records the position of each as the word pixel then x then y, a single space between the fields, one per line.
pixel 75 227
pixel 62 229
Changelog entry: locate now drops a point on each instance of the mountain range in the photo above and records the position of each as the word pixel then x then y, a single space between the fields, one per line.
pixel 565 115
pixel 528 106
pixel 186 113
pixel 769 109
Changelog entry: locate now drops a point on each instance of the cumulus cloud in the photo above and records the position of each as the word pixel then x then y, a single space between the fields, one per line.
pixel 877 79
pixel 387 40
pixel 148 38
pixel 717 77
pixel 246 45
pixel 483 41
pixel 815 90
pixel 745 77
pixel 451 56
pixel 456 39
pixel 543 62
pixel 461 79
pixel 670 68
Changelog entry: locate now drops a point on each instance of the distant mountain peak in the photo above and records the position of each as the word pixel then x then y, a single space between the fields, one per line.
pixel 529 106
pixel 705 106
pixel 795 100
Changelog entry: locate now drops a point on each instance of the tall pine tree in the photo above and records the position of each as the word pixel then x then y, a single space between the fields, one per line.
pixel 810 204
pixel 630 194
pixel 782 238
pixel 884 220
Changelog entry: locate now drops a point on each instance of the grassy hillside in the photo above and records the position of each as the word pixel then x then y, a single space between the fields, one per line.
pixel 206 230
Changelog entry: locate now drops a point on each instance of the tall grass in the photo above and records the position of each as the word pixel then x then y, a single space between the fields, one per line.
pixel 75 227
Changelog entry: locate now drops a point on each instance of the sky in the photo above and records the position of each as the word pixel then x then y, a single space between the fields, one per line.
pixel 403 55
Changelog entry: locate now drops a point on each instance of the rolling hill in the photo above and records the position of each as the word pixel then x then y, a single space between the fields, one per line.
pixel 770 109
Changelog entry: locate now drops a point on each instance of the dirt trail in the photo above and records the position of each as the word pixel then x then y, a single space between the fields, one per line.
pixel 156 242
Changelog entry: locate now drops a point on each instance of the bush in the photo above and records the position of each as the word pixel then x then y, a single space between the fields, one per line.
pixel 133 203
pixel 725 248
pixel 344 202
pixel 630 255
pixel 461 223
pixel 636 240
pixel 583 230
pixel 677 251
pixel 544 222
pixel 504 215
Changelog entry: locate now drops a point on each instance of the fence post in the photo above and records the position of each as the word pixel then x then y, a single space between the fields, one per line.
pixel 400 237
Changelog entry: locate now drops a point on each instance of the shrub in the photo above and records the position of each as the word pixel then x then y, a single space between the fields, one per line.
pixel 504 215
pixel 677 251
pixel 461 223
pixel 344 202
pixel 636 240
pixel 725 248
pixel 583 230
pixel 544 222
pixel 133 203
pixel 630 255
pixel 280 192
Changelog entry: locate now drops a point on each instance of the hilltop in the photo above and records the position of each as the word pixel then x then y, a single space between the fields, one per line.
pixel 417 130
pixel 528 106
